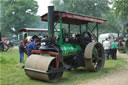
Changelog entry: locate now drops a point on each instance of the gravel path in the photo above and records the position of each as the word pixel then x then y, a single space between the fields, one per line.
pixel 119 77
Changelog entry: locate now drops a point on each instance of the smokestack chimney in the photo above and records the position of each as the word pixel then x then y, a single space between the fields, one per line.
pixel 51 22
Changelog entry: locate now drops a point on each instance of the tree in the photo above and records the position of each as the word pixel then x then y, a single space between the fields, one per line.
pixel 121 8
pixel 94 8
pixel 112 22
pixel 121 12
pixel 16 14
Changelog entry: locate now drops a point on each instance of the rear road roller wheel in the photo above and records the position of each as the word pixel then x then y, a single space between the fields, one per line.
pixel 39 67
pixel 121 47
pixel 94 57
pixel 126 46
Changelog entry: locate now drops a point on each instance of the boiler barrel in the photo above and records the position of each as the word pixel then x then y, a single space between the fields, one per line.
pixel 69 49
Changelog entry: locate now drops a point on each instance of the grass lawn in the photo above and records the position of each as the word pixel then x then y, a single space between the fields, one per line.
pixel 11 72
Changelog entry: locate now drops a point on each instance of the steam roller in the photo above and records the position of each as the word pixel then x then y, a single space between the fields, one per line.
pixel 126 45
pixel 65 52
pixel 122 48
pixel 38 67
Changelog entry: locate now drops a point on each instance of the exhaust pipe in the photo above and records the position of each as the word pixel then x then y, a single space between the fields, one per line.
pixel 51 22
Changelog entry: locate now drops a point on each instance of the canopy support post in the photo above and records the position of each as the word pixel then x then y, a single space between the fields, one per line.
pixel 61 32
pixel 80 29
pixel 97 31
pixel 69 30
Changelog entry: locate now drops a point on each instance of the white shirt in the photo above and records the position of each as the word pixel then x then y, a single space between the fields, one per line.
pixel 106 45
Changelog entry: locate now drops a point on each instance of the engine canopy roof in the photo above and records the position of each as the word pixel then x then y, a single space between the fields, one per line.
pixel 72 18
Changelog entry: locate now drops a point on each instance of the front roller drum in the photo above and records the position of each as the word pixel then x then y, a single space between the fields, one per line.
pixel 39 67
pixel 94 57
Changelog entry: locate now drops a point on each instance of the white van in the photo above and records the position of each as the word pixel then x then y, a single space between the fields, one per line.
pixel 110 36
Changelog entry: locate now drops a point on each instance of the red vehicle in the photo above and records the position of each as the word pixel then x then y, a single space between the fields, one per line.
pixel 3 44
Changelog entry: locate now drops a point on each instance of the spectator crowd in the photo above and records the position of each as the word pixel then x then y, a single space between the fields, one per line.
pixel 26 46
pixel 110 49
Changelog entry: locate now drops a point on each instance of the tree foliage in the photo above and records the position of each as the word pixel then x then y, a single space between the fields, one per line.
pixel 18 14
pixel 94 8
pixel 121 8
pixel 121 11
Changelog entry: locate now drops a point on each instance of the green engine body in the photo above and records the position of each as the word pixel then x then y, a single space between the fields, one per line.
pixel 69 49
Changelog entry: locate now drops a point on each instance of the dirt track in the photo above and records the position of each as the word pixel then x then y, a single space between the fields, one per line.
pixel 119 77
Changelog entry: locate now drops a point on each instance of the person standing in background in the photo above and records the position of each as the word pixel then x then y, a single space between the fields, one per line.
pixel 33 42
pixel 114 46
pixel 29 48
pixel 106 45
pixel 21 51
pixel 31 45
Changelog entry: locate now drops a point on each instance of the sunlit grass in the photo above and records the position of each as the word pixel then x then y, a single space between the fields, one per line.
pixel 13 74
